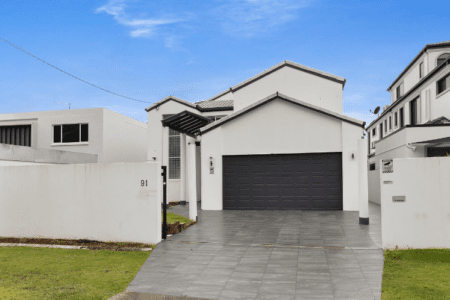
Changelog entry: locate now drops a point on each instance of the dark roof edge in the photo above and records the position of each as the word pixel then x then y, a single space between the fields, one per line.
pixel 411 90
pixel 271 98
pixel 215 108
pixel 285 63
pixel 424 49
pixel 167 99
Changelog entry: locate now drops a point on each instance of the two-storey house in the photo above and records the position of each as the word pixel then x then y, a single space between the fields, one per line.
pixel 416 123
pixel 276 141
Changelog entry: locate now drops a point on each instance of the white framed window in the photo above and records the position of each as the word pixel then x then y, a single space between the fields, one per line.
pixel 399 90
pixel 421 70
pixel 442 58
pixel 70 133
pixel 443 84
pixel 396 119
pixel 174 152
pixel 385 126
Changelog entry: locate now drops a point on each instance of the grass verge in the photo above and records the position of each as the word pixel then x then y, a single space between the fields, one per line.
pixel 416 274
pixel 43 273
pixel 172 218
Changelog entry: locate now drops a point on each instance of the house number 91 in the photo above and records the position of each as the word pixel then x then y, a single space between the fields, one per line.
pixel 144 183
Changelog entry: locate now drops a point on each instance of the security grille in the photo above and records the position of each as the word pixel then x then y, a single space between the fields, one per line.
pixel 16 135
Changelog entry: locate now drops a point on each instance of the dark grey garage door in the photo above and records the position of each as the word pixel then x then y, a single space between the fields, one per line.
pixel 309 181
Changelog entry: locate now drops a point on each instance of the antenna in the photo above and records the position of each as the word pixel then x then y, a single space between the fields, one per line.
pixel 377 110
pixel 63 103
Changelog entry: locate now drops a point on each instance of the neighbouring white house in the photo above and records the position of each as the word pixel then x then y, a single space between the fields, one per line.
pixel 417 122
pixel 95 135
pixel 278 140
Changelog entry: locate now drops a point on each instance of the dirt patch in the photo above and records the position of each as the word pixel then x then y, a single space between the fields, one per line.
pixel 89 244
pixel 177 227
pixel 173 203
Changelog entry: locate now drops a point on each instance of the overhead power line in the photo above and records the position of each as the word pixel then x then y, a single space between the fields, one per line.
pixel 93 85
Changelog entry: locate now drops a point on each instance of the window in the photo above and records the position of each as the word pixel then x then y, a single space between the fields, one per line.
pixel 385 125
pixel 381 130
pixel 442 58
pixel 70 133
pixel 390 123
pixel 16 135
pixel 374 131
pixel 413 112
pixel 174 152
pixel 400 90
pixel 372 167
pixel 443 84
pixel 396 119
pixel 402 120
pixel 421 70
pixel 372 145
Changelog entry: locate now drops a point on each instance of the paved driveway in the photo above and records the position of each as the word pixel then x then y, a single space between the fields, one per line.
pixel 268 255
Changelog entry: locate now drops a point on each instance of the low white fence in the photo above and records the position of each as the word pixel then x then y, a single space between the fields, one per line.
pixel 415 203
pixel 106 202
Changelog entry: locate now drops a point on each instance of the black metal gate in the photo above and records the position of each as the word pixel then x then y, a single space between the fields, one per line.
pixel 164 204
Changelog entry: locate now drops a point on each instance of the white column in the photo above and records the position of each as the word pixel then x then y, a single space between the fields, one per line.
pixel 192 179
pixel 165 153
pixel 183 167
pixel 363 183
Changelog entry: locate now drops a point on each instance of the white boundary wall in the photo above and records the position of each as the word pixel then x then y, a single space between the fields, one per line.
pixel 104 202
pixel 423 220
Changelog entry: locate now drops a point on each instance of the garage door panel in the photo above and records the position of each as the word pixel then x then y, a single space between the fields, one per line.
pixel 290 181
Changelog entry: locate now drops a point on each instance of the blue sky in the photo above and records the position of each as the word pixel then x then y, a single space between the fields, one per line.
pixel 148 50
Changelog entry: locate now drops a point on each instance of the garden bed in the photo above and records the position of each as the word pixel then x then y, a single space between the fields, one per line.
pixel 88 244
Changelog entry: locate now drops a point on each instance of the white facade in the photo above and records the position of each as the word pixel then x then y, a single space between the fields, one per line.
pixel 111 136
pixel 306 119
pixel 275 128
pixel 419 84
pixel 423 219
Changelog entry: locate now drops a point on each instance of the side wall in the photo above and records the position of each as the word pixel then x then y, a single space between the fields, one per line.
pixel 124 139
pixel 294 83
pixel 95 201
pixel 279 127
pixel 350 171
pixel 423 220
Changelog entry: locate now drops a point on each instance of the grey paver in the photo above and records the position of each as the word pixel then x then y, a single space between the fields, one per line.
pixel 268 255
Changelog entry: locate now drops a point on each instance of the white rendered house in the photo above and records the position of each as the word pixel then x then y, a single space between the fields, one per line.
pixel 71 136
pixel 278 140
pixel 416 123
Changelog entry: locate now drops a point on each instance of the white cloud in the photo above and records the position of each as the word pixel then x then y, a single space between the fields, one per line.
pixel 249 17
pixel 142 27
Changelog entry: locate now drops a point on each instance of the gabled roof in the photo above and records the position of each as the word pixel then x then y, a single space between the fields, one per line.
pixel 200 106
pixel 167 99
pixel 440 120
pixel 277 67
pixel 428 46
pixel 275 96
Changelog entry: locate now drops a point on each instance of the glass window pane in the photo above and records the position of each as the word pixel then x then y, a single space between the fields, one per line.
pixel 84 133
pixel 57 134
pixel 174 146
pixel 71 133
pixel 174 168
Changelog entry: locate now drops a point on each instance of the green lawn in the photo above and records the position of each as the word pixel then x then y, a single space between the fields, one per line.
pixel 416 274
pixel 42 273
pixel 172 218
